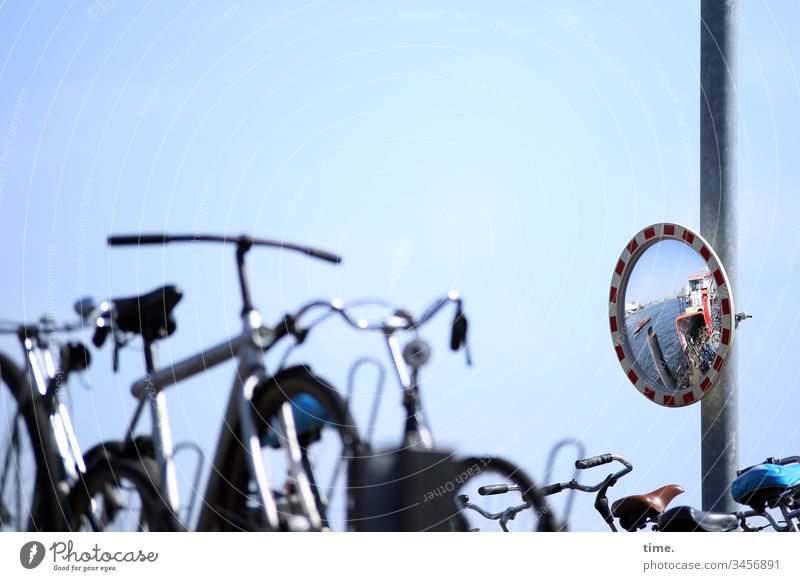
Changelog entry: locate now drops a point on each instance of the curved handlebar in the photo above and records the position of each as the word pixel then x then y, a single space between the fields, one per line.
pixel 399 320
pixel 244 242
pixel 396 322
pixel 591 463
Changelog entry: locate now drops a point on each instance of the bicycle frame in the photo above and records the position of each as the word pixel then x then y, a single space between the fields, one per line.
pixel 744 515
pixel 247 348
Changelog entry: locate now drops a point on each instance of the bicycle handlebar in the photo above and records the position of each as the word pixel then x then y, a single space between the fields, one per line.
pixel 591 463
pixel 400 320
pixel 243 241
pixel 44 325
pixel 572 484
pixel 337 307
pixel 72 355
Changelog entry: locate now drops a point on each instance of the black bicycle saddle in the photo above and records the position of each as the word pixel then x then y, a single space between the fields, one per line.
pixel 685 519
pixel 150 314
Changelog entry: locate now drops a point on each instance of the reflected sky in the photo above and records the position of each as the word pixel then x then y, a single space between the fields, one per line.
pixel 662 270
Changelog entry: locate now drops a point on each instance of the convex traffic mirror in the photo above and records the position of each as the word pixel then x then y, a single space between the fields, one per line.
pixel 671 314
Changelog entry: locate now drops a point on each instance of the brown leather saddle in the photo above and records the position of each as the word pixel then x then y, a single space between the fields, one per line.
pixel 634 512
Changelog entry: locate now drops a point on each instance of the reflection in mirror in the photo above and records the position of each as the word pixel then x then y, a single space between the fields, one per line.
pixel 673 318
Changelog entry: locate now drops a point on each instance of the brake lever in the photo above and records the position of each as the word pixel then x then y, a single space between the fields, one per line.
pixel 601 502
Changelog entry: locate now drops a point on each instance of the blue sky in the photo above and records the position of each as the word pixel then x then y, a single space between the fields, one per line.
pixel 509 151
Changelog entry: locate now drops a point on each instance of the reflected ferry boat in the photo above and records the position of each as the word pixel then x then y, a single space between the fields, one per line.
pixel 641 324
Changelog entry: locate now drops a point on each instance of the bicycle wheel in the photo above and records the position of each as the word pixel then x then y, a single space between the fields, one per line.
pixel 120 494
pixel 328 438
pixel 476 473
pixel 28 495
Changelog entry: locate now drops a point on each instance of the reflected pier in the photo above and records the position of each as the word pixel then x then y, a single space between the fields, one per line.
pixel 658 358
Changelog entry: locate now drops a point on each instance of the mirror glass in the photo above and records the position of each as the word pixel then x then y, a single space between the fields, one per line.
pixel 673 315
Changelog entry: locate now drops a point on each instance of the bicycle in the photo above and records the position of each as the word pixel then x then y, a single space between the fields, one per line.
pixel 34 461
pixel 150 317
pixel 775 483
pixel 286 411
pixel 42 463
pixel 601 488
pixel 386 485
pixel 636 512
pixel 533 504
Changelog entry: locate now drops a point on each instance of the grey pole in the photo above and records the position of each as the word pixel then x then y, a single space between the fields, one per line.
pixel 719 420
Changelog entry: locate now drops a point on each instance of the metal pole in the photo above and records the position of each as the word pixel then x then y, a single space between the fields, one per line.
pixel 719 418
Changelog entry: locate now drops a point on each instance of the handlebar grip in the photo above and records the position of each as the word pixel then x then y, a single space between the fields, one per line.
pixel 137 239
pixel 551 489
pixel 493 489
pixel 323 255
pixel 593 461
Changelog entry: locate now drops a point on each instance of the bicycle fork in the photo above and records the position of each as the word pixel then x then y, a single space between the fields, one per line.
pixel 39 359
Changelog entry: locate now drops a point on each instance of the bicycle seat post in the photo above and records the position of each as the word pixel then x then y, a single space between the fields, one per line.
pixel 151 366
pixel 150 356
pixel 162 435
